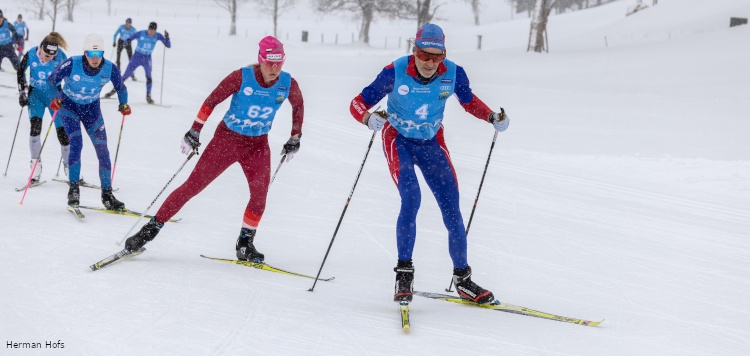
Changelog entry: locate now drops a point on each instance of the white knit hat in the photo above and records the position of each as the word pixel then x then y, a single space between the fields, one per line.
pixel 93 42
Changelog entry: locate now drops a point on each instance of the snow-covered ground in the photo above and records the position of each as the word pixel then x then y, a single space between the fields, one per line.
pixel 621 192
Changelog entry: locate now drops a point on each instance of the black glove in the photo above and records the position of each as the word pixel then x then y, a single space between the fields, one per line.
pixel 114 44
pixel 166 34
pixel 23 100
pixel 290 148
pixel 191 141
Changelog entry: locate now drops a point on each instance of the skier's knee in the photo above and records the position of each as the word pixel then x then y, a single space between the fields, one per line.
pixel 36 126
pixel 62 136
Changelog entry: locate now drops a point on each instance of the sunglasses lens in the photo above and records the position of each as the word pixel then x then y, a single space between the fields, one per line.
pixel 95 54
pixel 273 64
pixel 425 56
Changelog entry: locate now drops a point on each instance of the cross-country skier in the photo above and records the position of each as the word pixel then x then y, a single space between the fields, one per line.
pixel 418 87
pixel 8 36
pixel 124 32
pixel 23 34
pixel 79 104
pixel 146 43
pixel 38 94
pixel 257 93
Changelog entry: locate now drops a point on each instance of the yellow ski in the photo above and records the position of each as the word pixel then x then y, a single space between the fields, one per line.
pixel 265 267
pixel 509 308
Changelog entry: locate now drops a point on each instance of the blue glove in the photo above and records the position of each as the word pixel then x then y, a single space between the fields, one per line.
pixel 500 120
pixel 377 119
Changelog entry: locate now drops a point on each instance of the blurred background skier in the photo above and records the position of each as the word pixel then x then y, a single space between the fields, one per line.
pixel 124 32
pixel 8 37
pixel 23 34
pixel 142 57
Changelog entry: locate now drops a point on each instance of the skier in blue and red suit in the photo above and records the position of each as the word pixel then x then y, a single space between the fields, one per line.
pixel 418 87
pixel 79 104
pixel 142 57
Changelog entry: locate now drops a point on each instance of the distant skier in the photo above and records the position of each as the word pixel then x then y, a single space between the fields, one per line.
pixel 124 32
pixel 23 34
pixel 146 43
pixel 418 87
pixel 242 137
pixel 79 104
pixel 8 36
pixel 38 94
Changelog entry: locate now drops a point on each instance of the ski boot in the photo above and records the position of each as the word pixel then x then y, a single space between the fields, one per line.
pixel 110 93
pixel 245 249
pixel 133 77
pixel 74 194
pixel 37 173
pixel 469 290
pixel 110 202
pixel 148 99
pixel 404 281
pixel 147 233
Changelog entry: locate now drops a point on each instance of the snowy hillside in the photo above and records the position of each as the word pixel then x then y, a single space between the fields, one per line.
pixel 621 191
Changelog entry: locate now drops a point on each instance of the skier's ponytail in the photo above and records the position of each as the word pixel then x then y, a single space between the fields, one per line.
pixel 55 38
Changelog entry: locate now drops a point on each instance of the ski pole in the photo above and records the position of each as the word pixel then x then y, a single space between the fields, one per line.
pixel 14 143
pixel 36 162
pixel 283 158
pixel 476 200
pixel 344 211
pixel 163 59
pixel 117 152
pixel 58 167
pixel 193 153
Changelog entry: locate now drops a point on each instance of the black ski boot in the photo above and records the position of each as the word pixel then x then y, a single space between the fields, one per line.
pixel 148 99
pixel 74 194
pixel 110 93
pixel 404 281
pixel 110 202
pixel 245 249
pixel 147 233
pixel 469 290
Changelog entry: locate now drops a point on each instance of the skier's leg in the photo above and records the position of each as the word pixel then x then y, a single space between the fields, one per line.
pixel 219 154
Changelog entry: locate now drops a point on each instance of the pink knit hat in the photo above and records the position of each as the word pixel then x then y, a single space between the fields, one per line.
pixel 270 49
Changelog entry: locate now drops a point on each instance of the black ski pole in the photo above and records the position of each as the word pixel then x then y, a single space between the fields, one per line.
pixel 117 152
pixel 344 211
pixel 193 153
pixel 58 167
pixel 476 200
pixel 163 60
pixel 283 158
pixel 14 142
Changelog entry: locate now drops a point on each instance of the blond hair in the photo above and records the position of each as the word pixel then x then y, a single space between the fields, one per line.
pixel 55 38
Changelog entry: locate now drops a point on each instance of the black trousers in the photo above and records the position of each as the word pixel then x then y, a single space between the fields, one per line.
pixel 128 48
